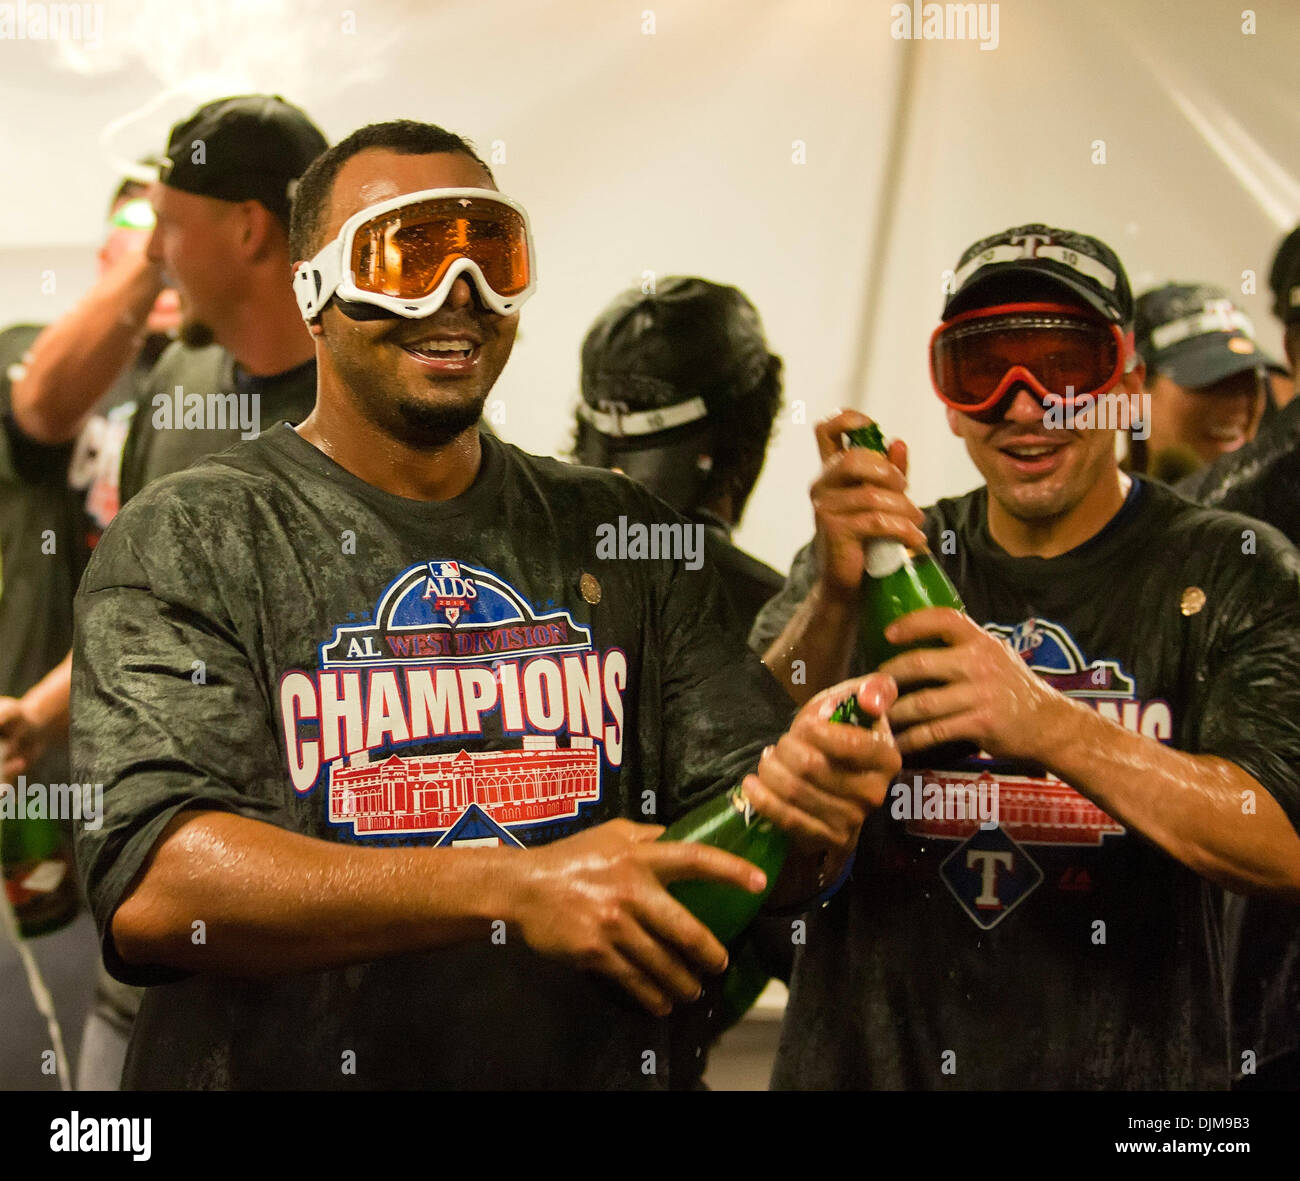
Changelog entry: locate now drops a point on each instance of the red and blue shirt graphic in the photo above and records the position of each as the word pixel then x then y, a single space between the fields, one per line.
pixel 456 709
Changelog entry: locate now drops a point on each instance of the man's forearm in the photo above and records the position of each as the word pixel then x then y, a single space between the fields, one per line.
pixel 814 649
pixel 274 902
pixel 76 360
pixel 46 702
pixel 1204 811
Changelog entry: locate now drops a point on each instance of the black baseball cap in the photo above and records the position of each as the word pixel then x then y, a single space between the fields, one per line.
pixel 1194 334
pixel 1284 279
pixel 670 358
pixel 1035 262
pixel 249 147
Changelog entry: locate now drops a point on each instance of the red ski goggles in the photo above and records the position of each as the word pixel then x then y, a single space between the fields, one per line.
pixel 1054 350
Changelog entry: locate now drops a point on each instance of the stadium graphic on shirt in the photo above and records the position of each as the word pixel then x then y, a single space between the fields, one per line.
pixel 448 647
pixel 991 872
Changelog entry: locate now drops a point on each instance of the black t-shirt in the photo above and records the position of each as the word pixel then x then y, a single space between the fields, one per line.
pixel 1261 479
pixel 232 605
pixel 1055 949
pixel 197 402
pixel 746 582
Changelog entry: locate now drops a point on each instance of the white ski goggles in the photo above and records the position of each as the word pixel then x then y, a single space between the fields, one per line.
pixel 403 255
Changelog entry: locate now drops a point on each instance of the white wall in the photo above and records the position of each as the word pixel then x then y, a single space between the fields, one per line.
pixel 672 152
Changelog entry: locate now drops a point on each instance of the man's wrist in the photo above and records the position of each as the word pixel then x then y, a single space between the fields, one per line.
pixel 504 884
pixel 1062 725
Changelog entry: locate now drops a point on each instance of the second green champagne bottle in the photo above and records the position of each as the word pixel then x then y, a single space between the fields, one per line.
pixel 728 822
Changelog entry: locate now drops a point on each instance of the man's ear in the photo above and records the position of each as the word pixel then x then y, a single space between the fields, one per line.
pixel 954 417
pixel 259 230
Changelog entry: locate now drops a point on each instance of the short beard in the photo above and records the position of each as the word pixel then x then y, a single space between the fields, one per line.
pixel 194 334
pixel 428 426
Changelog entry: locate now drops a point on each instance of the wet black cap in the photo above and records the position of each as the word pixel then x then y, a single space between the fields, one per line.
pixel 690 340
pixel 1194 334
pixel 1284 279
pixel 250 147
pixel 1035 261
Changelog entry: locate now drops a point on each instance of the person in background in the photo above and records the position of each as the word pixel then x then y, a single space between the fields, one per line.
pixel 58 491
pixel 243 361
pixel 1207 379
pixel 1262 479
pixel 680 392
pixel 1284 282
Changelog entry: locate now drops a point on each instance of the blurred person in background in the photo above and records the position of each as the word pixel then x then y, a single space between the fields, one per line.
pixel 1262 479
pixel 680 392
pixel 218 233
pixel 58 491
pixel 1207 379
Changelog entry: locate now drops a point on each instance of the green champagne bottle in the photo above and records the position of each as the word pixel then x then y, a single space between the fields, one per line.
pixel 897 582
pixel 40 879
pixel 728 822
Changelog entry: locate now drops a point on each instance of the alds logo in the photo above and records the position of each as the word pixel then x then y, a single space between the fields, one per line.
pixel 449 592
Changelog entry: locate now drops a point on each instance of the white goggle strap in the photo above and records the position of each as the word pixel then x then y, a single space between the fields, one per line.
pixel 316 281
pixel 613 418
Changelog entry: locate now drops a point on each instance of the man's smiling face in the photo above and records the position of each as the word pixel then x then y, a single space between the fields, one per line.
pixel 392 368
pixel 1035 470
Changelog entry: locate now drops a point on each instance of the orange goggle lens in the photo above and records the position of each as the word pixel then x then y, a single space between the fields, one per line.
pixel 406 253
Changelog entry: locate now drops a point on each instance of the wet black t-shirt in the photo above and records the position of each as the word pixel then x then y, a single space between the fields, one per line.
pixel 1056 948
pixel 265 633
pixel 747 582
pixel 1261 479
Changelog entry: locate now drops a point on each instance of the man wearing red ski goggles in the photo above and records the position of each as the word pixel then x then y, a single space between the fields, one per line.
pixel 1057 351
pixel 1034 353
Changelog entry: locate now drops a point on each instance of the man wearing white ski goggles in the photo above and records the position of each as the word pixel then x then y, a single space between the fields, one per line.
pixel 401 257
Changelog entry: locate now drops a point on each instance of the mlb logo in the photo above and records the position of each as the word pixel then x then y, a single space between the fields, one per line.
pixel 448 570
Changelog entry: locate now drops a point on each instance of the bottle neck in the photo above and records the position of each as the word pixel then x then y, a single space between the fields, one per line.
pixel 884 556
